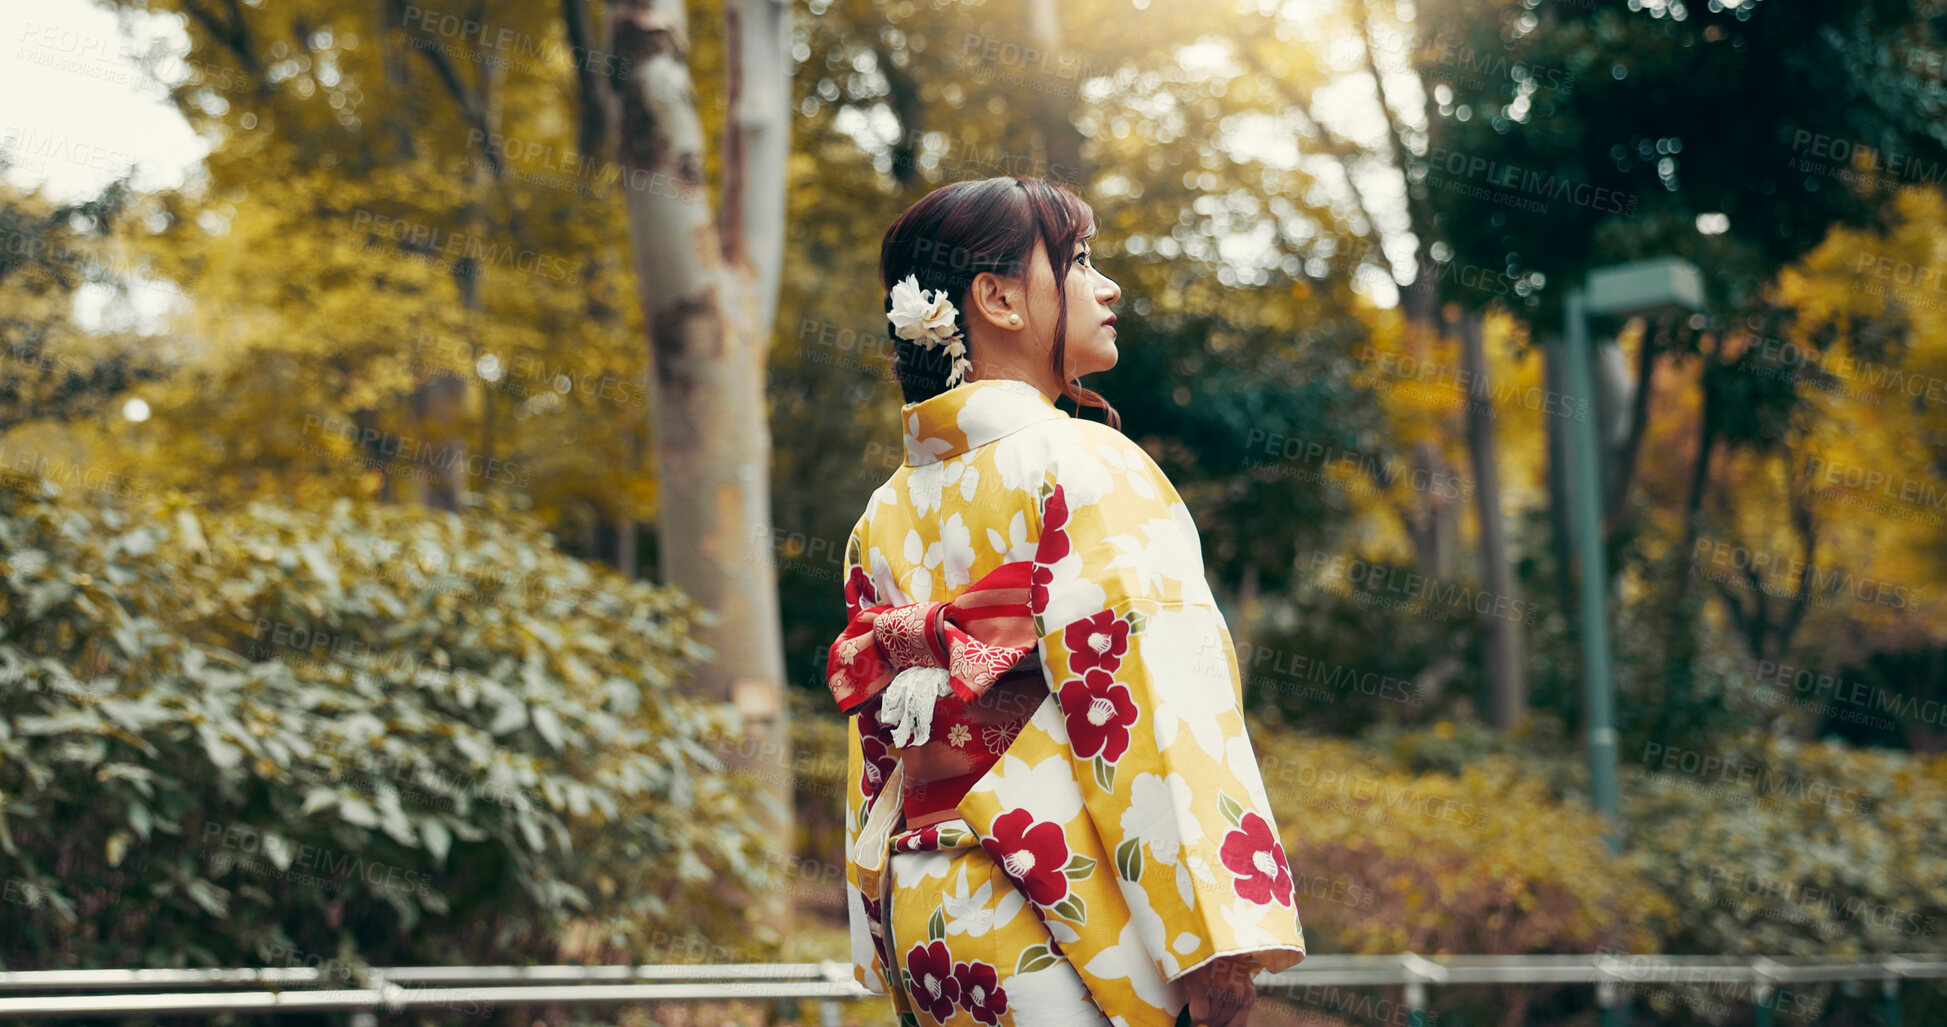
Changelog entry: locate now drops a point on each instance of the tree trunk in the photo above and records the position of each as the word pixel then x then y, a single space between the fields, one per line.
pixel 625 548
pixel 1507 685
pixel 757 147
pixel 438 404
pixel 1432 519
pixel 1054 105
pixel 1243 632
pixel 1431 522
pixel 706 318
pixel 1687 602
pixel 1560 542
pixel 1434 524
pixel 902 96
pixel 440 401
pixel 594 112
pixel 371 453
pixel 1616 493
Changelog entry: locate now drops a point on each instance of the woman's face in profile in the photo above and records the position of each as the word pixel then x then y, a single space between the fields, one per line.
pixel 1091 294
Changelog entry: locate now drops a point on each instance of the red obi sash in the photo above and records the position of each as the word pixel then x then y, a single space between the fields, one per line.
pixel 985 639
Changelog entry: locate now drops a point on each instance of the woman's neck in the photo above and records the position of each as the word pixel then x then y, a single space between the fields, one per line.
pixel 1039 377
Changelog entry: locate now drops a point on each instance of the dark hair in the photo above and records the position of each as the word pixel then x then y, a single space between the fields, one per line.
pixel 957 231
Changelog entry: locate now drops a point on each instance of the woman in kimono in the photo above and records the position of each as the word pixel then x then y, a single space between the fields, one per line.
pixel 1056 816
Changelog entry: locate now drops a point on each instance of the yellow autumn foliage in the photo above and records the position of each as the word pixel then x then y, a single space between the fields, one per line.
pixel 1490 860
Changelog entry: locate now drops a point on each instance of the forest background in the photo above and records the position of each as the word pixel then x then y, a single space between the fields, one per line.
pixel 423 526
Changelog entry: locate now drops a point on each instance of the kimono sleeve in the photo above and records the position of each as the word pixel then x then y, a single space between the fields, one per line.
pixel 1141 663
pixel 869 965
pixel 865 767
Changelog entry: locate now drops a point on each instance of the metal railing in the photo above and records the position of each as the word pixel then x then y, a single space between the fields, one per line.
pixel 25 994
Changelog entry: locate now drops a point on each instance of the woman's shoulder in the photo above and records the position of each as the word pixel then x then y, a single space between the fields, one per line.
pixel 1088 454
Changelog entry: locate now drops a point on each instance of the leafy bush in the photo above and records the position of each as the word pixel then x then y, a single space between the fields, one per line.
pixel 818 740
pixel 1772 847
pixel 387 734
pixel 1767 844
pixel 1780 846
pixel 1489 859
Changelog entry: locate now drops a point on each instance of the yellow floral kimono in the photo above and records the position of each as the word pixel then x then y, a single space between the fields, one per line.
pixel 1123 837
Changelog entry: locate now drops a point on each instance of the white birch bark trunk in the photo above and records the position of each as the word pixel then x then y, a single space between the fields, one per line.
pixel 760 133
pixel 706 312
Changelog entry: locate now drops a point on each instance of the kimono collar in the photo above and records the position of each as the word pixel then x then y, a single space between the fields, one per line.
pixel 971 415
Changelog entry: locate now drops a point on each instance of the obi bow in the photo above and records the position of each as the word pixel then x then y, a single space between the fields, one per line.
pixel 913 654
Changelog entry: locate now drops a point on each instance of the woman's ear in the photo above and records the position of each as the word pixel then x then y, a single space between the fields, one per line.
pixel 997 299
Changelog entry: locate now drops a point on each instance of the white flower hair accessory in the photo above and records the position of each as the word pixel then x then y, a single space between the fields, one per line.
pixel 926 318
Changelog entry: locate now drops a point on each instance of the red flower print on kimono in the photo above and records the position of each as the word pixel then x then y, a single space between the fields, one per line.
pixel 1096 641
pixel 980 991
pixel 877 930
pixel 1052 548
pixel 926 839
pixel 859 591
pixel 1252 852
pixel 1098 711
pixel 878 762
pixel 934 987
pixel 1032 855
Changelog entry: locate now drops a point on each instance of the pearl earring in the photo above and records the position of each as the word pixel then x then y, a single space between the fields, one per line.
pixel 1013 319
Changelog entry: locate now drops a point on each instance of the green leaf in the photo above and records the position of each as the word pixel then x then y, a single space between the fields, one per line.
pixel 1230 809
pixel 1078 867
pixel 1129 860
pixel 1073 908
pixel 127 640
pixel 532 832
pixel 1104 774
pixel 357 811
pixel 476 751
pixel 549 726
pixel 139 818
pixel 214 900
pixel 1035 957
pixel 279 849
pixel 220 752
pixel 624 696
pixel 437 838
pixel 319 564
pixel 509 718
pixel 392 817
pixel 1137 621
pixel 936 926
